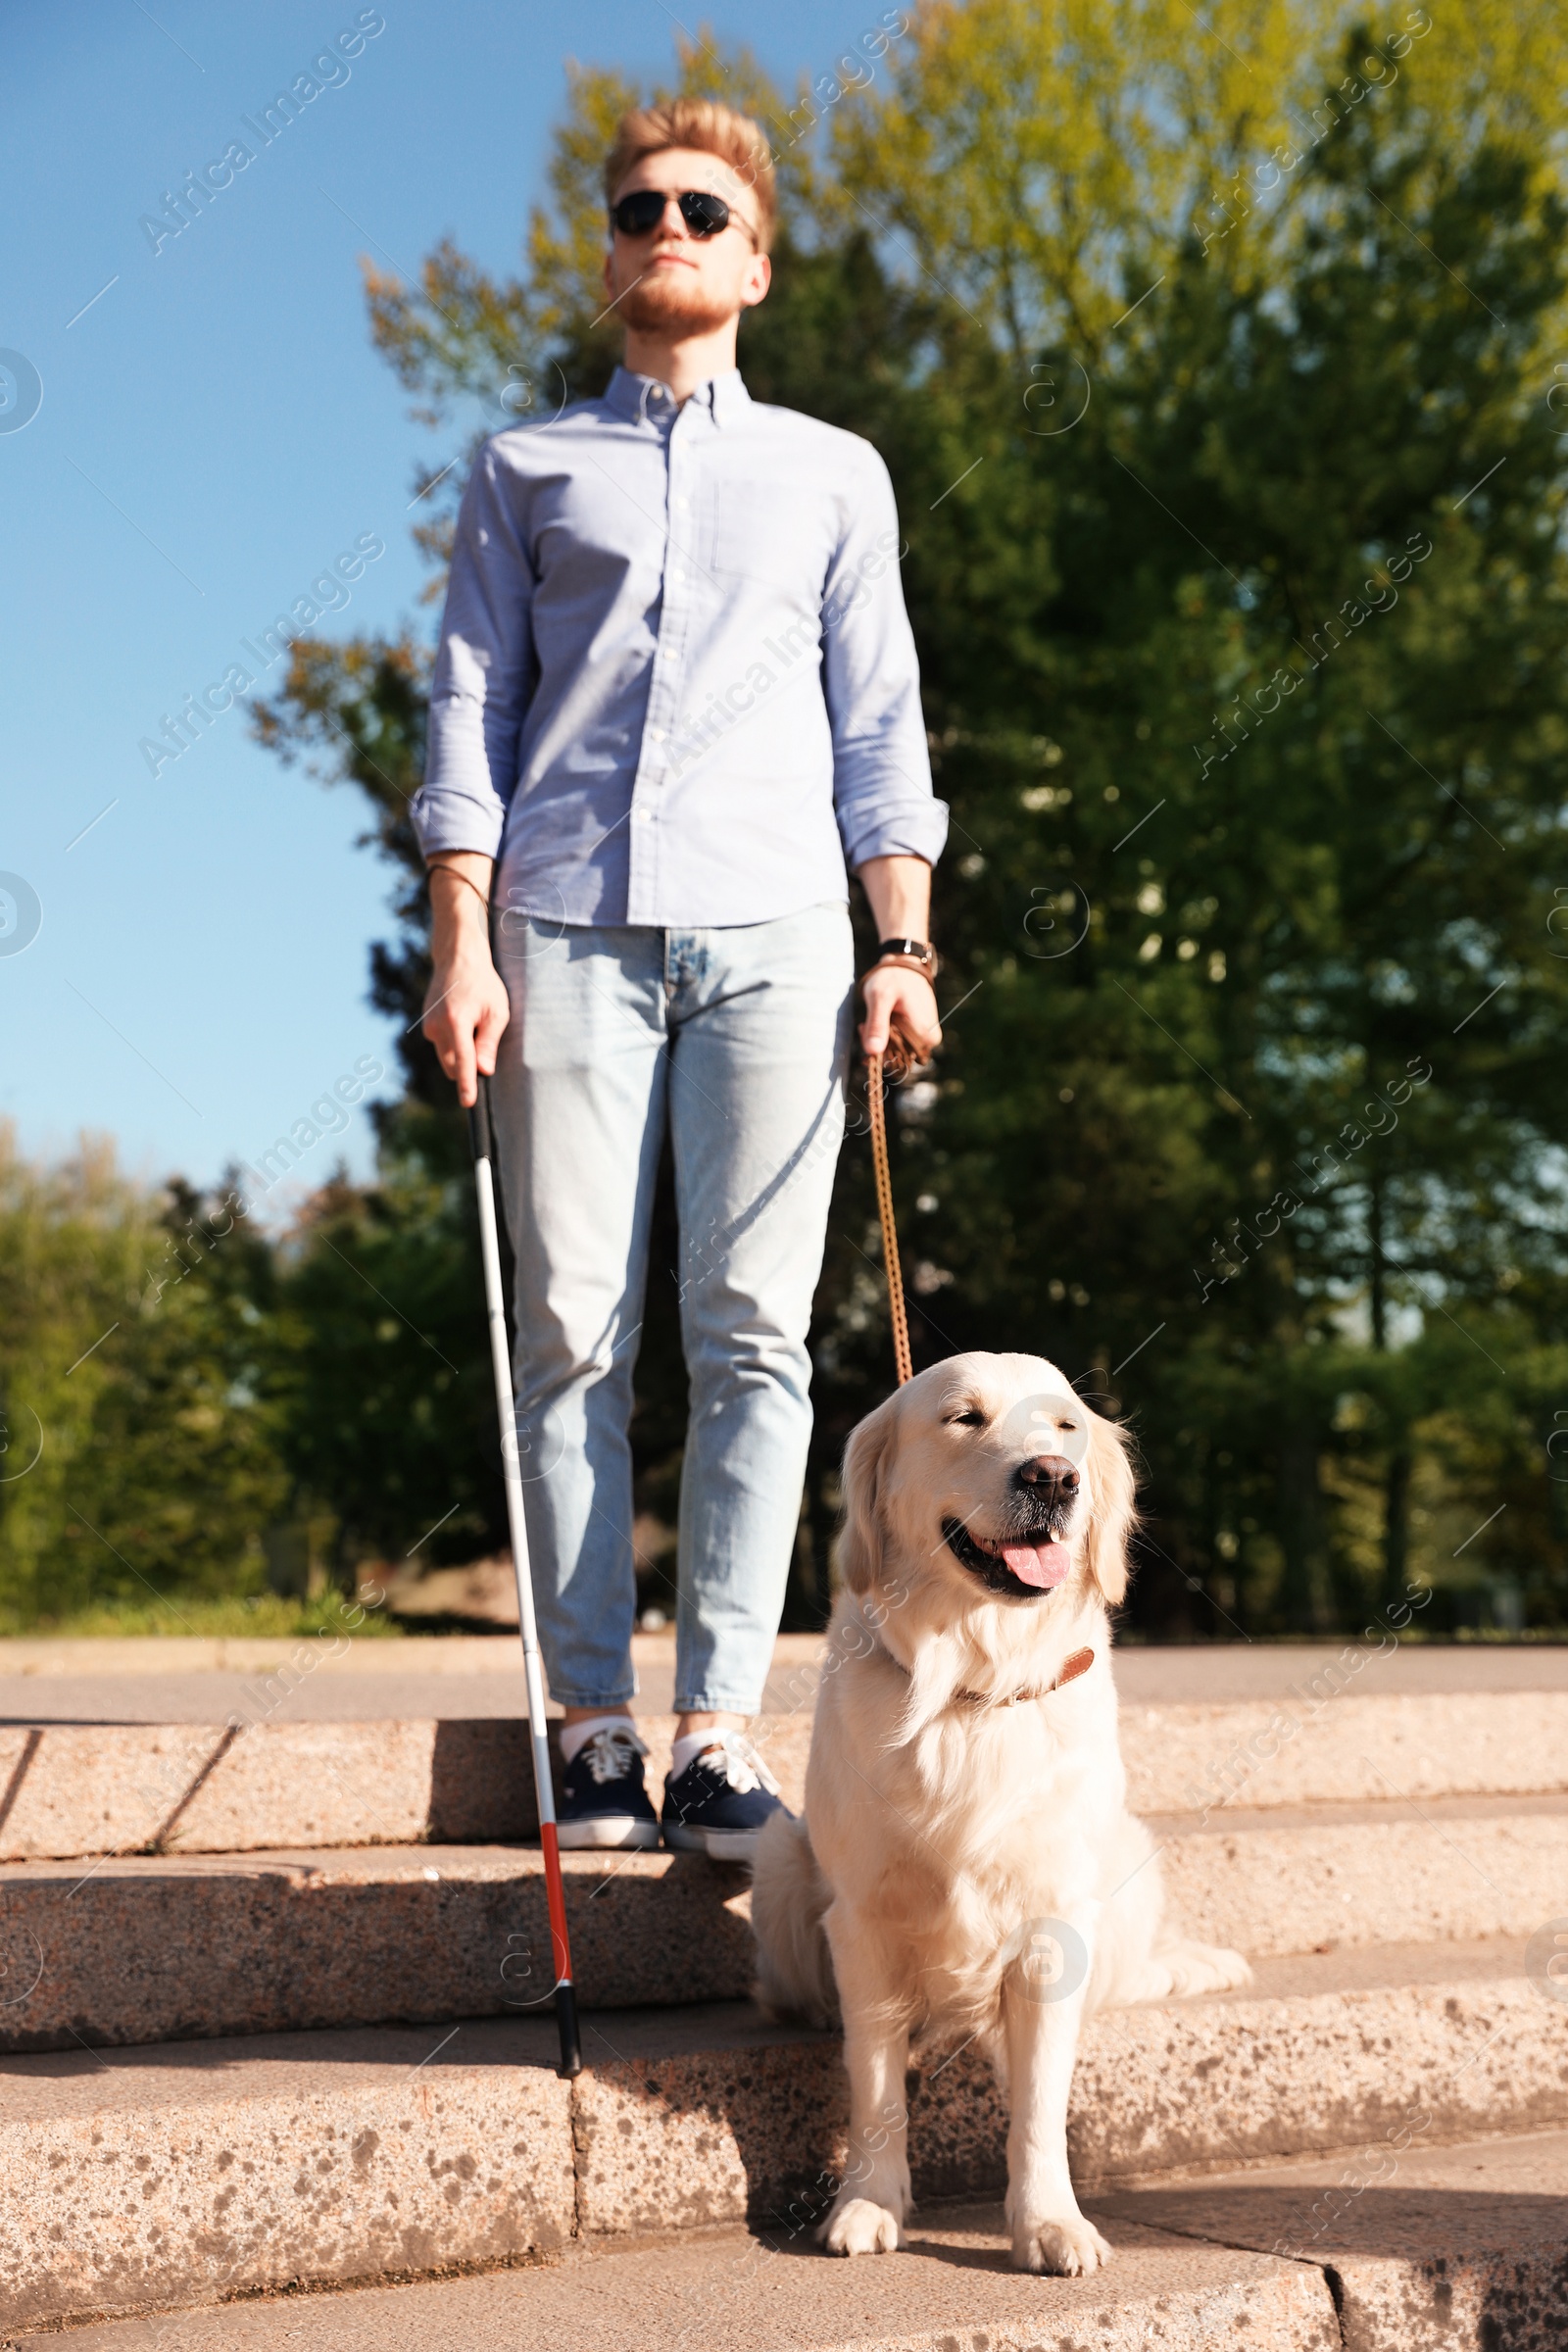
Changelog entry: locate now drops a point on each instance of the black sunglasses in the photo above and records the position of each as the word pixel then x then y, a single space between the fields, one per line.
pixel 704 214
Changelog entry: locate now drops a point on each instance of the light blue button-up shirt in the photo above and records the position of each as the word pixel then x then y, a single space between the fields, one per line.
pixel 676 684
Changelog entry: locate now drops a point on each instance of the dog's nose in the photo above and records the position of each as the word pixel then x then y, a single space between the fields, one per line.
pixel 1052 1471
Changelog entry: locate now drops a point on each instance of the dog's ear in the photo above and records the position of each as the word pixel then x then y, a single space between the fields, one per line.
pixel 860 1538
pixel 1114 1497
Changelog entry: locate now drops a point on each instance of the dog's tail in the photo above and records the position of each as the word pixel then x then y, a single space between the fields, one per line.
pixel 789 1895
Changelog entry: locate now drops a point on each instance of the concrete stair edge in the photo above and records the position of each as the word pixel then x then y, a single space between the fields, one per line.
pixel 1458 2250
pixel 68 1789
pixel 729 2290
pixel 181 2174
pixel 147 1950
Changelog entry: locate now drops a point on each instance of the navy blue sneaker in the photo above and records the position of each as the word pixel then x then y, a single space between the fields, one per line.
pixel 601 1799
pixel 718 1804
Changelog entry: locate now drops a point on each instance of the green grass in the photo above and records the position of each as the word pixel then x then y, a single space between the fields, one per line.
pixel 264 1616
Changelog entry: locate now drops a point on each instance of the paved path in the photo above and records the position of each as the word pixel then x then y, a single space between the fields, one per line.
pixel 423 1676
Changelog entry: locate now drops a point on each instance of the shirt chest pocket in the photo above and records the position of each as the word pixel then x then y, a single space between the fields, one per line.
pixel 773 532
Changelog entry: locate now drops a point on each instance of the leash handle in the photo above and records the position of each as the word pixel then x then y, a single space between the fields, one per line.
pixel 877 1106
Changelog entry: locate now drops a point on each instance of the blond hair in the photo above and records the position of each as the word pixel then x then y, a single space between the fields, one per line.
pixel 712 128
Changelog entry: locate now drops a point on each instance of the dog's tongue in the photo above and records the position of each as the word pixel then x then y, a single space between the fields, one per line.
pixel 1039 1564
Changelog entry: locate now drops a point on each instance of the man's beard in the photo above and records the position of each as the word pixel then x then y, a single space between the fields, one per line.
pixel 672 299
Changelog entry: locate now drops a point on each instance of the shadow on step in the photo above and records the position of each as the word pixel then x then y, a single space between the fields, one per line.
pixel 1408 2262
pixel 482 1781
pixel 1418 2266
pixel 936 2233
pixel 745 2119
pixel 152 1951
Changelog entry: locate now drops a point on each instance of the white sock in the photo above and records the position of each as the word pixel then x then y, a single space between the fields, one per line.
pixel 691 1745
pixel 574 1736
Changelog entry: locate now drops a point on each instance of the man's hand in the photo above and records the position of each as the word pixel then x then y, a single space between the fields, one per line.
pixel 466 1007
pixel 896 996
pixel 898 890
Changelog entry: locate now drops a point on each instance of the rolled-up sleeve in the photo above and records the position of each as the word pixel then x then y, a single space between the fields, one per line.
pixel 882 791
pixel 485 671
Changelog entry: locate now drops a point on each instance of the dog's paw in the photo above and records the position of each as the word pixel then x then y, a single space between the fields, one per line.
pixel 1068 2249
pixel 1208 1968
pixel 860 2228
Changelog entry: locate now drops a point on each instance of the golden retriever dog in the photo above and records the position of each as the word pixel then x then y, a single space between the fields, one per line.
pixel 967 1865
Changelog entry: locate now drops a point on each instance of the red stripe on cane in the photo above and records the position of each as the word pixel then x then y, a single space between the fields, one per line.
pixel 555 1897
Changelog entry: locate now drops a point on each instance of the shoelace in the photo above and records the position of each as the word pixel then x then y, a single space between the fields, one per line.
pixel 613 1752
pixel 737 1761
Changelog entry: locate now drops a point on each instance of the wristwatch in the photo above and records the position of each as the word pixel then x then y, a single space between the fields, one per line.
pixel 917 953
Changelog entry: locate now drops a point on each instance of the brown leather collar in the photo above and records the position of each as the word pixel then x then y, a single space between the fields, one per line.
pixel 1079 1663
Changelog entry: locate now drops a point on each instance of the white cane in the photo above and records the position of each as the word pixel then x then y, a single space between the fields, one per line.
pixel 507 1412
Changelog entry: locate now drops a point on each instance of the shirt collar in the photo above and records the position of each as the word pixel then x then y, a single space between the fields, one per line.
pixel 725 397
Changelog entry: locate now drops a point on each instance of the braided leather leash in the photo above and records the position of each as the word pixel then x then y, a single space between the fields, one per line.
pixel 898 1055
pixel 877 1106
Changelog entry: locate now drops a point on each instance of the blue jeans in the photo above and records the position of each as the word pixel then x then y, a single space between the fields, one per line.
pixel 739 1040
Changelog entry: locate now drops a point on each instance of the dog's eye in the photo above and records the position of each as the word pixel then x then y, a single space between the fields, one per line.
pixel 972 1419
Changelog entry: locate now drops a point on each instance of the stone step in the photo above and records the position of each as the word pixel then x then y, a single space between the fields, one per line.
pixel 254 1783
pixel 730 2290
pixel 1425 2247
pixel 185 2172
pixel 144 1950
pixel 1456 2249
pixel 1290 1880
pixel 84 1790
pixel 154 1948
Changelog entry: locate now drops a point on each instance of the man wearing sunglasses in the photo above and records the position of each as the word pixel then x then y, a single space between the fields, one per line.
pixel 676 699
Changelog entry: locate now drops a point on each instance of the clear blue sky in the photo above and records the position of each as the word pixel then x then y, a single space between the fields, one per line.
pixel 215 429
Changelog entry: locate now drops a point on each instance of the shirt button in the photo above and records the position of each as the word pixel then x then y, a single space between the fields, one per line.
pixel 644 816
pixel 656 734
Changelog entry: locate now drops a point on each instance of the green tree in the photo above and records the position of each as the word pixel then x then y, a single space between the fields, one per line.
pixel 1234 502
pixel 1314 664
pixel 140 1453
